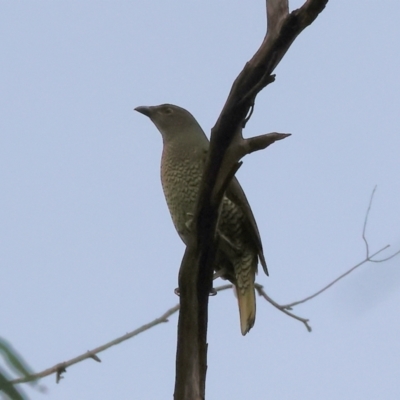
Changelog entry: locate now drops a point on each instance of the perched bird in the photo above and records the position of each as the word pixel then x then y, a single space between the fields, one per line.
pixel 182 165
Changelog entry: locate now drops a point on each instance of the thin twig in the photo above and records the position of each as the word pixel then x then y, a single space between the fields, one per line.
pixel 60 368
pixel 368 258
pixel 364 235
pixel 366 221
pixel 262 293
pixel 295 303
pixel 387 258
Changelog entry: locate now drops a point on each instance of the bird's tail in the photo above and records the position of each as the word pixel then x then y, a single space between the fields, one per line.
pixel 247 308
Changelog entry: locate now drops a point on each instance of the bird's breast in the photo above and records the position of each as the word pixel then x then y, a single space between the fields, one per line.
pixel 181 175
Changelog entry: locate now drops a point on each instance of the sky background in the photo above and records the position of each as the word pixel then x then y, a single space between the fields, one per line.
pixel 88 249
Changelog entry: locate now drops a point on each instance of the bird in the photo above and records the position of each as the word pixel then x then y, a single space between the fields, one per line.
pixel 239 251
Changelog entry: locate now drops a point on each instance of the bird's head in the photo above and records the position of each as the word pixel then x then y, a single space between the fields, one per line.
pixel 172 121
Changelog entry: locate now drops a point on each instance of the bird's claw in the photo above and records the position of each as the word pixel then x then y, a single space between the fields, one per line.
pixel 213 292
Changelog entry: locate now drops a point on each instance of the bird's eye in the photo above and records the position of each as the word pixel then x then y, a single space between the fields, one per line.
pixel 168 111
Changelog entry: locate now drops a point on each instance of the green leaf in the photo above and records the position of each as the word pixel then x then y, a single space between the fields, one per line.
pixel 13 359
pixel 8 388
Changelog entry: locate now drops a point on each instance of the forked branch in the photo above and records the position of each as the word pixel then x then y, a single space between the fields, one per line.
pixel 195 276
pixel 368 258
pixel 60 368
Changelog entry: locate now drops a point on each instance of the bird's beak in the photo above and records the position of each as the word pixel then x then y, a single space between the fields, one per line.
pixel 144 110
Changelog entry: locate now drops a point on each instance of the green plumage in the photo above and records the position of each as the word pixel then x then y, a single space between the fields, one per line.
pixel 182 165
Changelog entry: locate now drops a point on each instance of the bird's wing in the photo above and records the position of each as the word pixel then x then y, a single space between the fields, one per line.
pixel 235 193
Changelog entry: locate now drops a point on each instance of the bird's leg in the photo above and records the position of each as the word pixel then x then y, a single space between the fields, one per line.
pixel 227 246
pixel 218 274
pixel 213 292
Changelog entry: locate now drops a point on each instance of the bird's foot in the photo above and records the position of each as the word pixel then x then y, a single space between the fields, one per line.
pixel 219 274
pixel 213 292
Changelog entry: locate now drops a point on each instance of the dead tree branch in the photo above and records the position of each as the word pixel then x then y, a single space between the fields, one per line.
pixel 262 293
pixel 195 276
pixel 60 368
pixel 295 303
pixel 368 258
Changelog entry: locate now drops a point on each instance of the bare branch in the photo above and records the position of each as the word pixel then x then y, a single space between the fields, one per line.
pixel 60 368
pixel 387 258
pixel 263 141
pixel 262 293
pixel 196 272
pixel 290 305
pixel 365 238
pixel 277 10
pixel 366 221
pixel 368 258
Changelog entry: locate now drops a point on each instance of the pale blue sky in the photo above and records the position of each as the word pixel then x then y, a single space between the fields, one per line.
pixel 88 249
